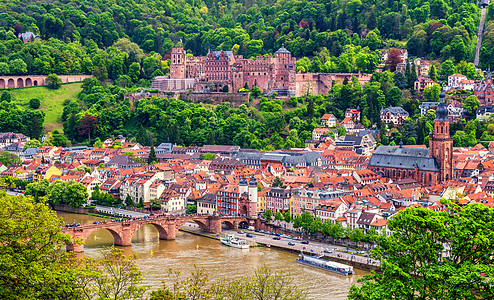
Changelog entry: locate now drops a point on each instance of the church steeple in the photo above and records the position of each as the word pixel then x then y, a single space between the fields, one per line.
pixel 441 144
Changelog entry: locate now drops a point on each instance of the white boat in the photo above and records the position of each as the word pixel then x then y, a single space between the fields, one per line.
pixel 327 265
pixel 234 242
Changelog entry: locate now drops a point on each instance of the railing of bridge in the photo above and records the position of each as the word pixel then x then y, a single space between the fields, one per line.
pixel 102 224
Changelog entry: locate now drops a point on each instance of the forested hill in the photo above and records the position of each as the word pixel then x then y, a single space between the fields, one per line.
pixel 258 27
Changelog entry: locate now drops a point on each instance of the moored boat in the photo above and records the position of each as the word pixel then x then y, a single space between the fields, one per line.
pixel 234 242
pixel 327 265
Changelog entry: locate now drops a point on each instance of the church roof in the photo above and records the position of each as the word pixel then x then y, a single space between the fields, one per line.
pixel 403 158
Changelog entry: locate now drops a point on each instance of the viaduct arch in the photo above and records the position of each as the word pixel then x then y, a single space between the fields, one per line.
pixel 167 227
pixel 13 82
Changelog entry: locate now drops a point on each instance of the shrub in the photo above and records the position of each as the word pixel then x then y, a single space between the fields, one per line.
pixel 34 103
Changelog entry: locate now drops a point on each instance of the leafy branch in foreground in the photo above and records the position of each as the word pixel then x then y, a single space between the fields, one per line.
pixel 265 284
pixel 434 255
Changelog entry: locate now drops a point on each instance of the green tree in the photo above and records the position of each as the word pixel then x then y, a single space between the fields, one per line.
pixel 34 103
pixel 278 216
pixel 471 105
pixel 38 190
pixel 278 182
pixel 33 143
pixel 287 217
pixel 6 96
pixel 128 201
pixel 268 214
pixel 34 264
pixel 432 92
pixel 433 73
pixel 134 71
pixel 209 156
pixel 152 156
pixel 7 159
pixel 53 81
pixel 417 265
pixel 115 276
pixel 264 284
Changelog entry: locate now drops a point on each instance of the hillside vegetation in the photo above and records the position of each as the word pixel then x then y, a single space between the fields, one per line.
pixel 51 101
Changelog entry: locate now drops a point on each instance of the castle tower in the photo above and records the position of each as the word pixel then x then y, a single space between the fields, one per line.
pixel 441 144
pixel 178 63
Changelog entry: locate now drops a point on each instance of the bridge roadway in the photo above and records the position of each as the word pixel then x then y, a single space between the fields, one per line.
pixel 122 230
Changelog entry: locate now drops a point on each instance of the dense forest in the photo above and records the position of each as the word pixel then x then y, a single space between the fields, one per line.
pixel 76 30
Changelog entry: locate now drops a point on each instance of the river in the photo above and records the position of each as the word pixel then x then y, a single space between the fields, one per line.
pixel 155 257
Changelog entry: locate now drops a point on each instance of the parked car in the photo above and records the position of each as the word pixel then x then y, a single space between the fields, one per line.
pixel 240 232
pixel 276 238
pixel 327 251
pixel 295 238
pixel 257 230
pixel 249 235
pixel 304 242
pixel 291 244
pixel 361 252
pixel 277 234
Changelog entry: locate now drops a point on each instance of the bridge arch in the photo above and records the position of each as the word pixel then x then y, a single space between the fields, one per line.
pixel 117 238
pixel 229 224
pixel 20 82
pixel 11 83
pixel 2 83
pixel 163 233
pixel 29 82
pixel 35 83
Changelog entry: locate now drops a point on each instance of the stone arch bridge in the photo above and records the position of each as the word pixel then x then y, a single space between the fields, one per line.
pixel 13 82
pixel 167 227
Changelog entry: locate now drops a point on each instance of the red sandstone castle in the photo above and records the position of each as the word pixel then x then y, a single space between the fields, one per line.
pixel 225 71
pixel 220 69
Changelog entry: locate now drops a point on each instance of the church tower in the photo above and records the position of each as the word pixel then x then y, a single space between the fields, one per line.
pixel 441 144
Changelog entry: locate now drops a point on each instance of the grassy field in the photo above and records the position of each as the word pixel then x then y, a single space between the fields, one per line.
pixel 51 101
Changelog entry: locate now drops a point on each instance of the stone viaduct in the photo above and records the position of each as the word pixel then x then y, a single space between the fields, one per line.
pixel 167 227
pixel 13 82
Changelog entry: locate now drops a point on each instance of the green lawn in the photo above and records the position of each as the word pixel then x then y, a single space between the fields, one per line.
pixel 51 101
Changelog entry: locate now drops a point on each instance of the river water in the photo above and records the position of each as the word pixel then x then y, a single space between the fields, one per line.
pixel 155 257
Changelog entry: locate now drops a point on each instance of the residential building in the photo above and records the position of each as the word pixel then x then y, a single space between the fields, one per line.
pixel 395 115
pixel 328 120
pixel 484 91
pixel 28 37
pixel 206 205
pixel 279 200
pixel 354 114
pixel 421 67
pixel 421 83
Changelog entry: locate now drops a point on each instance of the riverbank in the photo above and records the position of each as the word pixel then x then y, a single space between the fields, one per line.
pixel 364 264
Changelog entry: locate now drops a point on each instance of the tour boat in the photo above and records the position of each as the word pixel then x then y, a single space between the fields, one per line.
pixel 325 264
pixel 234 242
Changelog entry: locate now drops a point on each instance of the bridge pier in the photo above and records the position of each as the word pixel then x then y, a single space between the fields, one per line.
pixel 170 232
pixel 124 238
pixel 214 225
pixel 74 248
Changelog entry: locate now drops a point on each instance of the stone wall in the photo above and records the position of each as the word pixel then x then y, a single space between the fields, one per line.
pixel 13 82
pixel 321 83
pixel 75 210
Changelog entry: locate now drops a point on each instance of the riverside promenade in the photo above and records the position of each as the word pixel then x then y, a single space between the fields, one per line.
pixel 338 253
